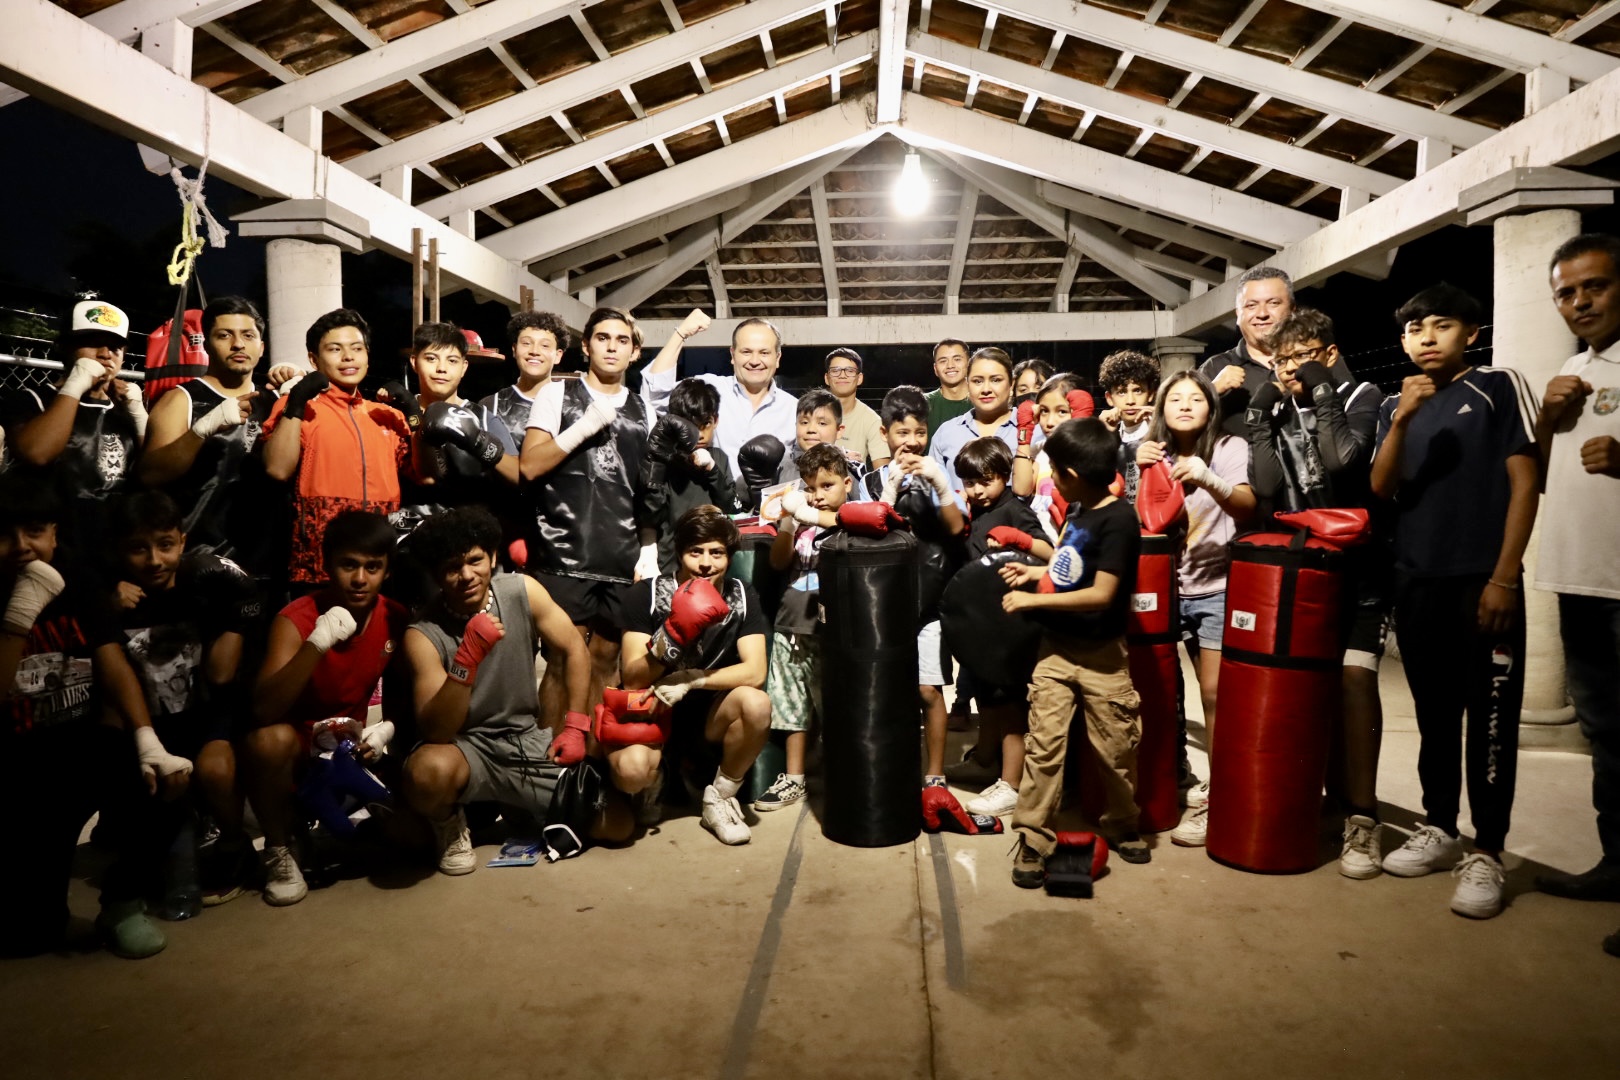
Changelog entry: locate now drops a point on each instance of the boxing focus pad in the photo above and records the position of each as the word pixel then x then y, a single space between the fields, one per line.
pixel 1078 860
pixel 1340 527
pixel 1159 499
pixel 631 718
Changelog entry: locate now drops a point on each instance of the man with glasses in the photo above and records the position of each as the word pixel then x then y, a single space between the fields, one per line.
pixel 862 437
pixel 1311 436
pixel 1265 297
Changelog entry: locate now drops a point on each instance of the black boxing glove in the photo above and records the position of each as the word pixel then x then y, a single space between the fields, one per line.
pixel 1311 375
pixel 304 391
pixel 459 426
pixel 396 395
pixel 758 460
pixel 672 437
pixel 1261 404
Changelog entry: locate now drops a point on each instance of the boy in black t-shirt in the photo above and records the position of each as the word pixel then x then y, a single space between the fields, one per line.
pixel 1457 453
pixel 60 666
pixel 184 616
pixel 715 679
pixel 1082 596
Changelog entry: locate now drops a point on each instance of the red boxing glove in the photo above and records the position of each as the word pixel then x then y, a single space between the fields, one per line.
pixel 1059 511
pixel 1026 422
pixel 761 529
pixel 1009 537
pixel 696 606
pixel 869 518
pixel 1159 499
pixel 480 636
pixel 518 552
pixel 631 718
pixel 568 748
pixel 1117 488
pixel 1080 405
pixel 940 808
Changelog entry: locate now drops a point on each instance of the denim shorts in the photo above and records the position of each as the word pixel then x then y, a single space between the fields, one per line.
pixel 1203 620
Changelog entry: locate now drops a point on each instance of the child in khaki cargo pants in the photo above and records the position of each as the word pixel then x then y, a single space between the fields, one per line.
pixel 1081 662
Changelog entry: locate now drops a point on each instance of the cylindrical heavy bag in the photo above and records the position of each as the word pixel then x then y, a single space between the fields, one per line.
pixel 1152 628
pixel 1280 680
pixel 872 755
pixel 998 647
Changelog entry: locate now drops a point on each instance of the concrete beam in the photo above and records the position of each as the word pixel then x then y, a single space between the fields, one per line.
pixel 926 329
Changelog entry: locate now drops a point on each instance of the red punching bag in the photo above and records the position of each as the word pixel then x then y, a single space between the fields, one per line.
pixel 1151 632
pixel 1280 680
pixel 171 361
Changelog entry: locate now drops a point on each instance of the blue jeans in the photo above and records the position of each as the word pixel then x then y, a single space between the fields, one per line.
pixel 1590 627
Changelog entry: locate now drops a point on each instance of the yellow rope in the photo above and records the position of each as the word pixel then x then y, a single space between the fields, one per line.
pixel 186 251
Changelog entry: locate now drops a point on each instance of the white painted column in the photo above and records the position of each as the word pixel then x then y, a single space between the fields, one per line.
pixel 305 282
pixel 1529 336
pixel 1177 354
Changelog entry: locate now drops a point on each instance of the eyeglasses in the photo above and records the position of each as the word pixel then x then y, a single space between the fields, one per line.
pixel 843 372
pixel 1303 356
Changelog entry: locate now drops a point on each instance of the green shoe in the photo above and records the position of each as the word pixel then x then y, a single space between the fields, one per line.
pixel 128 932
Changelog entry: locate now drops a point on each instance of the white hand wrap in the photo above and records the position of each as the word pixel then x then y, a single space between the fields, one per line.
pixel 891 486
pixel 82 377
pixel 670 693
pixel 796 506
pixel 929 470
pixel 156 761
pixel 225 416
pixel 37 584
pixel 598 415
pixel 378 736
pixel 335 624
pixel 132 404
pixel 647 563
pixel 1195 471
pixel 703 459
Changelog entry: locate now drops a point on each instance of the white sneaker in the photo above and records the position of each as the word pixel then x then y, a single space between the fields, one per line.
pixel 1479 887
pixel 1425 851
pixel 1195 796
pixel 724 818
pixel 1193 828
pixel 283 881
pixel 1359 857
pixel 997 800
pixel 456 855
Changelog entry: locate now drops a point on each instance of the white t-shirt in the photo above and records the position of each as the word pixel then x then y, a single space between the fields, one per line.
pixel 546 413
pixel 1579 551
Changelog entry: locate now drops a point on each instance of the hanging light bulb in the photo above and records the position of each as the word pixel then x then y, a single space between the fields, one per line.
pixel 911 191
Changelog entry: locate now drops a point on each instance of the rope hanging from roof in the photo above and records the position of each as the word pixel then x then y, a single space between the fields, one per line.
pixel 193 205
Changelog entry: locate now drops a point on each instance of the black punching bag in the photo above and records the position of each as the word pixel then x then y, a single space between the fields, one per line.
pixel 872 755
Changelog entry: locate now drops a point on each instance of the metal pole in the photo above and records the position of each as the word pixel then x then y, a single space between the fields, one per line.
pixel 416 279
pixel 433 276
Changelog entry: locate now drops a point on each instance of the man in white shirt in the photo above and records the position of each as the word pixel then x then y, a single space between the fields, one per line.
pixel 1579 432
pixel 751 403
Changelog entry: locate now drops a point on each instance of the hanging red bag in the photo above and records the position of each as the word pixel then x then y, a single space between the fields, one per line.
pixel 171 358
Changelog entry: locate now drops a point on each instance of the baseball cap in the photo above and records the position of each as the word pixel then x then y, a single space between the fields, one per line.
pixel 97 322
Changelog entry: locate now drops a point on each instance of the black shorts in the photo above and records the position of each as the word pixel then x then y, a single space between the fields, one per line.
pixel 1369 596
pixel 593 604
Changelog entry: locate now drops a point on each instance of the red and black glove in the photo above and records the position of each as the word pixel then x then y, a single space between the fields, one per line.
pixel 1026 422
pixel 1075 863
pixel 631 718
pixel 696 606
pixel 940 809
pixel 568 748
pixel 1009 537
pixel 480 636
pixel 873 519
pixel 1080 405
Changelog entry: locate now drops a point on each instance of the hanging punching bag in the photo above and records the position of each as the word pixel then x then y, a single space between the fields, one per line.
pixel 1151 632
pixel 1281 655
pixel 871 751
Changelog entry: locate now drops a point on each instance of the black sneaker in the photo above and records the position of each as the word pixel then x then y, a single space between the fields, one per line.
pixel 1029 867
pixel 1133 849
pixel 785 792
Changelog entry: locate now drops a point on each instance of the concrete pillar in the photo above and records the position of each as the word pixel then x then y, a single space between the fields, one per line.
pixel 305 282
pixel 1529 336
pixel 1177 354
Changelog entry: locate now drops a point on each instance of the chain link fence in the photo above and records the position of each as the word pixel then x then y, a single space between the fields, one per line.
pixel 27 343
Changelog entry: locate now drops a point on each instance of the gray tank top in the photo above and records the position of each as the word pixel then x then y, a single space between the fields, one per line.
pixel 504 699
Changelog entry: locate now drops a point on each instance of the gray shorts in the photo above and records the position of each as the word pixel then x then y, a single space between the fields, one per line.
pixel 510 769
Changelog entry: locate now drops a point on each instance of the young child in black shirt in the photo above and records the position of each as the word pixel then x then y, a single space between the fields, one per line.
pixel 1082 597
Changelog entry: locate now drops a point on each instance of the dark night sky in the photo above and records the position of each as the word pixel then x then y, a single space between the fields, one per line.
pixel 80 210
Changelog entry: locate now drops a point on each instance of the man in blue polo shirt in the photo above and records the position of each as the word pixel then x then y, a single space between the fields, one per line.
pixel 751 403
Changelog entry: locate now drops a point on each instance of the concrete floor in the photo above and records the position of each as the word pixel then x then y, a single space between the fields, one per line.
pixel 794 956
